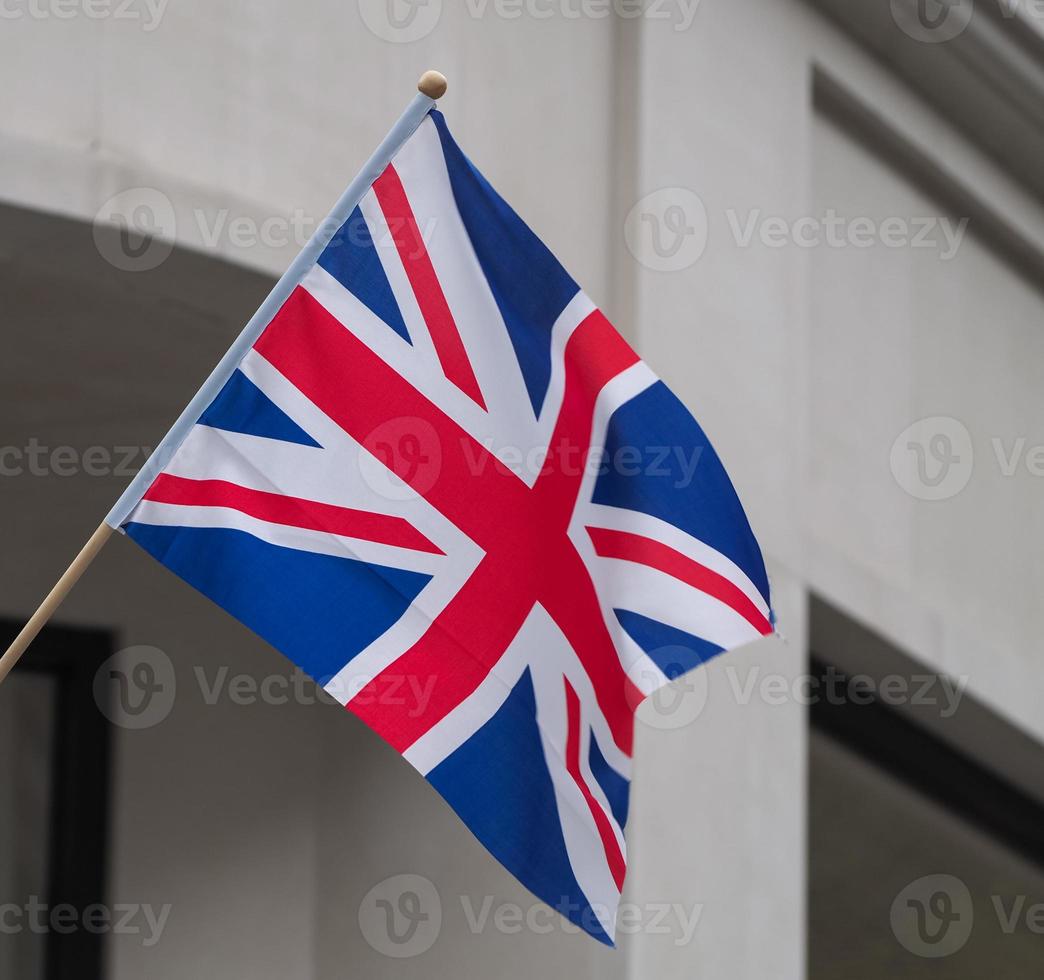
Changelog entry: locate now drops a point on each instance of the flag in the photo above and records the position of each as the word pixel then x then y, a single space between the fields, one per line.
pixel 443 485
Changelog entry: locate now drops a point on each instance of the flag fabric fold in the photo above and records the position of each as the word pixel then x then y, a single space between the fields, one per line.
pixel 443 485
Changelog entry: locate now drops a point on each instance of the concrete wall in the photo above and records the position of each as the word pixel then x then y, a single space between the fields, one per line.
pixel 266 110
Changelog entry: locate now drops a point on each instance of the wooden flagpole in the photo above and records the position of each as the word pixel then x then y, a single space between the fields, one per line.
pixel 54 599
pixel 432 86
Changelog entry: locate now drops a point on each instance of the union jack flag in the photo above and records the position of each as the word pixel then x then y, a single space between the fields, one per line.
pixel 443 485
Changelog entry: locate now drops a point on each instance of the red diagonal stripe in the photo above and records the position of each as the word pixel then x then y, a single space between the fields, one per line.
pixel 646 551
pixel 472 489
pixel 350 383
pixel 426 286
pixel 594 355
pixel 567 593
pixel 451 659
pixel 277 508
pixel 613 854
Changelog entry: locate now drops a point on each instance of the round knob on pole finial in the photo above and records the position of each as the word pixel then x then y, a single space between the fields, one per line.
pixel 432 84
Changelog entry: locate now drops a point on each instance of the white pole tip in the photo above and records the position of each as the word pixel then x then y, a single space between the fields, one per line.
pixel 432 84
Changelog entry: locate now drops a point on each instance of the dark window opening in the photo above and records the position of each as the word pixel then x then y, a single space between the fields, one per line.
pixel 54 801
pixel 925 858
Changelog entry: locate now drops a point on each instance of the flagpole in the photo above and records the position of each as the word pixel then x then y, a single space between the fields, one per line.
pixel 430 87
